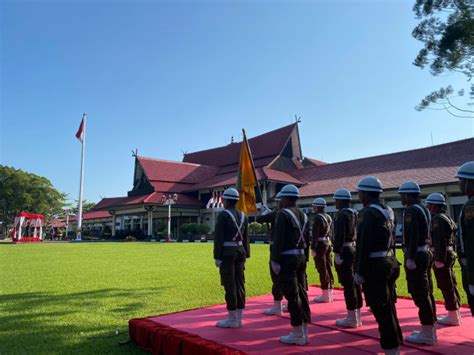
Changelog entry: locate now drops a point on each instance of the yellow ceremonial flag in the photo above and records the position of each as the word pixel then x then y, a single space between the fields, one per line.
pixel 246 179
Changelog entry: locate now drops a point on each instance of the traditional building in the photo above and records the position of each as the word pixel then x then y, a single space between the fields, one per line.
pixel 279 160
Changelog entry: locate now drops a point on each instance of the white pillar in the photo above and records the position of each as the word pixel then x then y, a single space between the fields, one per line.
pixel 150 223
pixel 114 222
pixel 169 220
pixel 264 193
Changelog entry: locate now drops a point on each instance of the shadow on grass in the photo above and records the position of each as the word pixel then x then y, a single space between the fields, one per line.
pixel 82 322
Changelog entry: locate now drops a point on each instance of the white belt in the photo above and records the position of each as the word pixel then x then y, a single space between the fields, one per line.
pixel 349 244
pixel 423 248
pixel 293 252
pixel 381 254
pixel 322 239
pixel 232 244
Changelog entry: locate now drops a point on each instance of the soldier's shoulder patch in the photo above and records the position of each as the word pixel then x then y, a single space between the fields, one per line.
pixel 468 212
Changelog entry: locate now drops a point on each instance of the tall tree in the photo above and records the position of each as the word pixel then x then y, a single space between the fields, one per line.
pixel 86 206
pixel 446 30
pixel 22 191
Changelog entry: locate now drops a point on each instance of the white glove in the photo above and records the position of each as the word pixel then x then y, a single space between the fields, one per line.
pixel 313 252
pixel 439 264
pixel 276 268
pixel 471 290
pixel 337 259
pixel 411 264
pixel 463 261
pixel 218 262
pixel 359 280
pixel 264 210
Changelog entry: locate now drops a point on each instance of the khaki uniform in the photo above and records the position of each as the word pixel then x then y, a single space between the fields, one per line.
pixel 417 245
pixel 345 245
pixel 233 249
pixel 321 245
pixel 290 251
pixel 465 248
pixel 276 286
pixel 374 235
pixel 443 231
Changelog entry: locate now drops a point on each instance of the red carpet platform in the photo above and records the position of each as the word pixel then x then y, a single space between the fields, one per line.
pixel 194 332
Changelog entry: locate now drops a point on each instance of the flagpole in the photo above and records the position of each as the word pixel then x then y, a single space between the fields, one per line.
pixel 79 218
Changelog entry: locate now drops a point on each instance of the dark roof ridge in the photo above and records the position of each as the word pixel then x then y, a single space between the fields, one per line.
pixel 389 154
pixel 223 146
pixel 176 162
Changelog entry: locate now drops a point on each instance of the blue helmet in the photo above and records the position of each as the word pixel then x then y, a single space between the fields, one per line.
pixel 370 184
pixel 436 199
pixel 289 191
pixel 342 194
pixel 319 202
pixel 409 187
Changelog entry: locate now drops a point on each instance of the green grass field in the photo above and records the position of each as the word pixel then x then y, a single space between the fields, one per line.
pixel 72 298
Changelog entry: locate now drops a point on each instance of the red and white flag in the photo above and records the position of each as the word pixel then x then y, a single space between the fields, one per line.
pixel 211 201
pixel 218 197
pixel 220 202
pixel 80 132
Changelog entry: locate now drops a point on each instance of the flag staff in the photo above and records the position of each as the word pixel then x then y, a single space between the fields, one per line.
pixel 83 140
pixel 253 165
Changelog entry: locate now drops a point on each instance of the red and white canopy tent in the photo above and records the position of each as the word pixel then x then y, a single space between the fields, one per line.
pixel 28 227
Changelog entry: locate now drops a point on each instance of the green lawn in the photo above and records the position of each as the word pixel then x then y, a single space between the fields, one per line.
pixel 70 297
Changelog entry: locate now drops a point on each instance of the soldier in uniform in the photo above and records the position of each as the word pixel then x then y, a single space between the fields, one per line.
pixel 231 249
pixel 268 216
pixel 321 250
pixel 376 268
pixel 345 225
pixel 465 240
pixel 418 261
pixel 443 231
pixel 288 259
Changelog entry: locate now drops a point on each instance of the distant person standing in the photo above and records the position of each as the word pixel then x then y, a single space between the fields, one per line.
pixel 465 240
pixel 268 216
pixel 321 249
pixel 418 261
pixel 231 249
pixel 375 266
pixel 345 226
pixel 288 258
pixel 443 231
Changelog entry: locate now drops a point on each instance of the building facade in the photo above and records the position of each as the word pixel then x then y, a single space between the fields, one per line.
pixel 278 161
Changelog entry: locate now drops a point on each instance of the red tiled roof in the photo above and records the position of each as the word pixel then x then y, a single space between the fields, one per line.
pixel 390 180
pixel 449 154
pixel 153 198
pixel 118 201
pixel 173 171
pixel 170 186
pixel 280 176
pixel 93 215
pixel 229 179
pixel 258 163
pixel 266 145
pixel 183 200
pixel 57 223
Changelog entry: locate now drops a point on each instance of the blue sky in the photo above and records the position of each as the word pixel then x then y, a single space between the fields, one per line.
pixel 167 77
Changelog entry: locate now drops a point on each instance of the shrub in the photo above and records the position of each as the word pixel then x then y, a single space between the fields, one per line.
pixel 255 228
pixel 194 228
